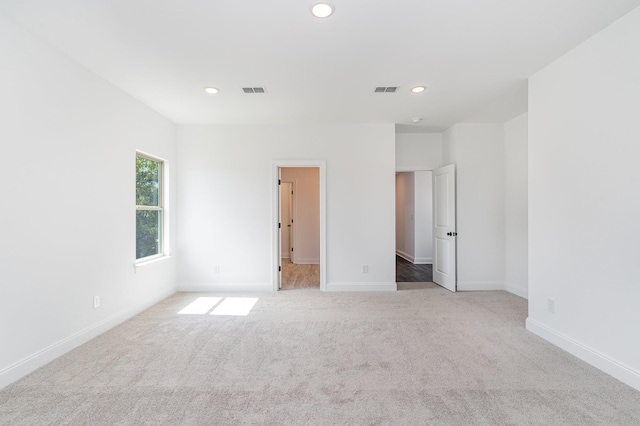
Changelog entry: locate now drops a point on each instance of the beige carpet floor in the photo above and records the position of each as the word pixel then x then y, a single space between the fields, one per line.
pixel 421 356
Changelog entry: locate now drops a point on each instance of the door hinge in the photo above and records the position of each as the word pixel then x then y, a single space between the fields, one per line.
pixel 291 192
pixel 279 268
pixel 279 225
pixel 291 248
pixel 279 182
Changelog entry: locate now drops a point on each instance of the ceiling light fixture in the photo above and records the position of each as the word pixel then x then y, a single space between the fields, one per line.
pixel 211 90
pixel 417 120
pixel 418 89
pixel 322 10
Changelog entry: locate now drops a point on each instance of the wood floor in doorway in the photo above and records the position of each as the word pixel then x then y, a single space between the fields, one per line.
pixel 407 272
pixel 308 276
pixel 299 276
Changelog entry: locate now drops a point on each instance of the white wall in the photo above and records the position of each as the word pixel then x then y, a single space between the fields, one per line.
pixel 67 171
pixel 405 210
pixel 423 213
pixel 584 208
pixel 306 200
pixel 418 151
pixel 516 196
pixel 225 181
pixel 477 150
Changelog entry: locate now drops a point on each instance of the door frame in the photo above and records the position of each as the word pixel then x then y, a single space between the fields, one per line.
pixel 405 169
pixel 275 217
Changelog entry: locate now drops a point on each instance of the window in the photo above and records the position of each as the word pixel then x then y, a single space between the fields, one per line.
pixel 149 206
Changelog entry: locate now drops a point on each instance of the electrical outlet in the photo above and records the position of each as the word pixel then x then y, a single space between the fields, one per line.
pixel 551 306
pixel 365 269
pixel 216 269
pixel 96 302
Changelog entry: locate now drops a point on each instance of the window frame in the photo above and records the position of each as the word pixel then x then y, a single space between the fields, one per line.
pixel 162 223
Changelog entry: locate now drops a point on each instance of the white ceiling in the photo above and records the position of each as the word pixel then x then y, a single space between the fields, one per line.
pixel 473 55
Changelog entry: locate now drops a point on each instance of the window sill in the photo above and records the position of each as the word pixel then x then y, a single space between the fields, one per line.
pixel 151 261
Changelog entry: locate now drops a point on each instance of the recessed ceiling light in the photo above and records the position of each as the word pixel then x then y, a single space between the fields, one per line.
pixel 211 90
pixel 418 89
pixel 322 10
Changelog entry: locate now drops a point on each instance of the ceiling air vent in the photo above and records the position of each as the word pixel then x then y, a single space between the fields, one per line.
pixel 254 90
pixel 384 89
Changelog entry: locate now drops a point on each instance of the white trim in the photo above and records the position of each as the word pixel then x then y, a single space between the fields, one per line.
pixel 362 287
pixel 405 169
pixel 228 287
pixel 31 363
pixel 149 156
pixel 597 359
pixel 404 255
pixel 275 253
pixel 480 285
pixel 518 290
pixel 415 260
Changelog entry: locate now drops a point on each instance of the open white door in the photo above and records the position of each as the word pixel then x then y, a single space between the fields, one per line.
pixel 285 220
pixel 290 225
pixel 279 253
pixel 444 227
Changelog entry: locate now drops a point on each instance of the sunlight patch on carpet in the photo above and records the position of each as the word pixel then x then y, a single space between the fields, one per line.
pixel 200 306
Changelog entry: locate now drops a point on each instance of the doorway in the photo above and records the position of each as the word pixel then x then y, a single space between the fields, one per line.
pixel 441 229
pixel 299 225
pixel 414 227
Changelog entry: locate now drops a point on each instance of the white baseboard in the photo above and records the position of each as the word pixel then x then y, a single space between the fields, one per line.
pixel 599 360
pixel 521 291
pixel 307 261
pixel 480 285
pixel 243 287
pixel 31 363
pixel 362 286
pixel 285 256
pixel 404 255
pixel 415 260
